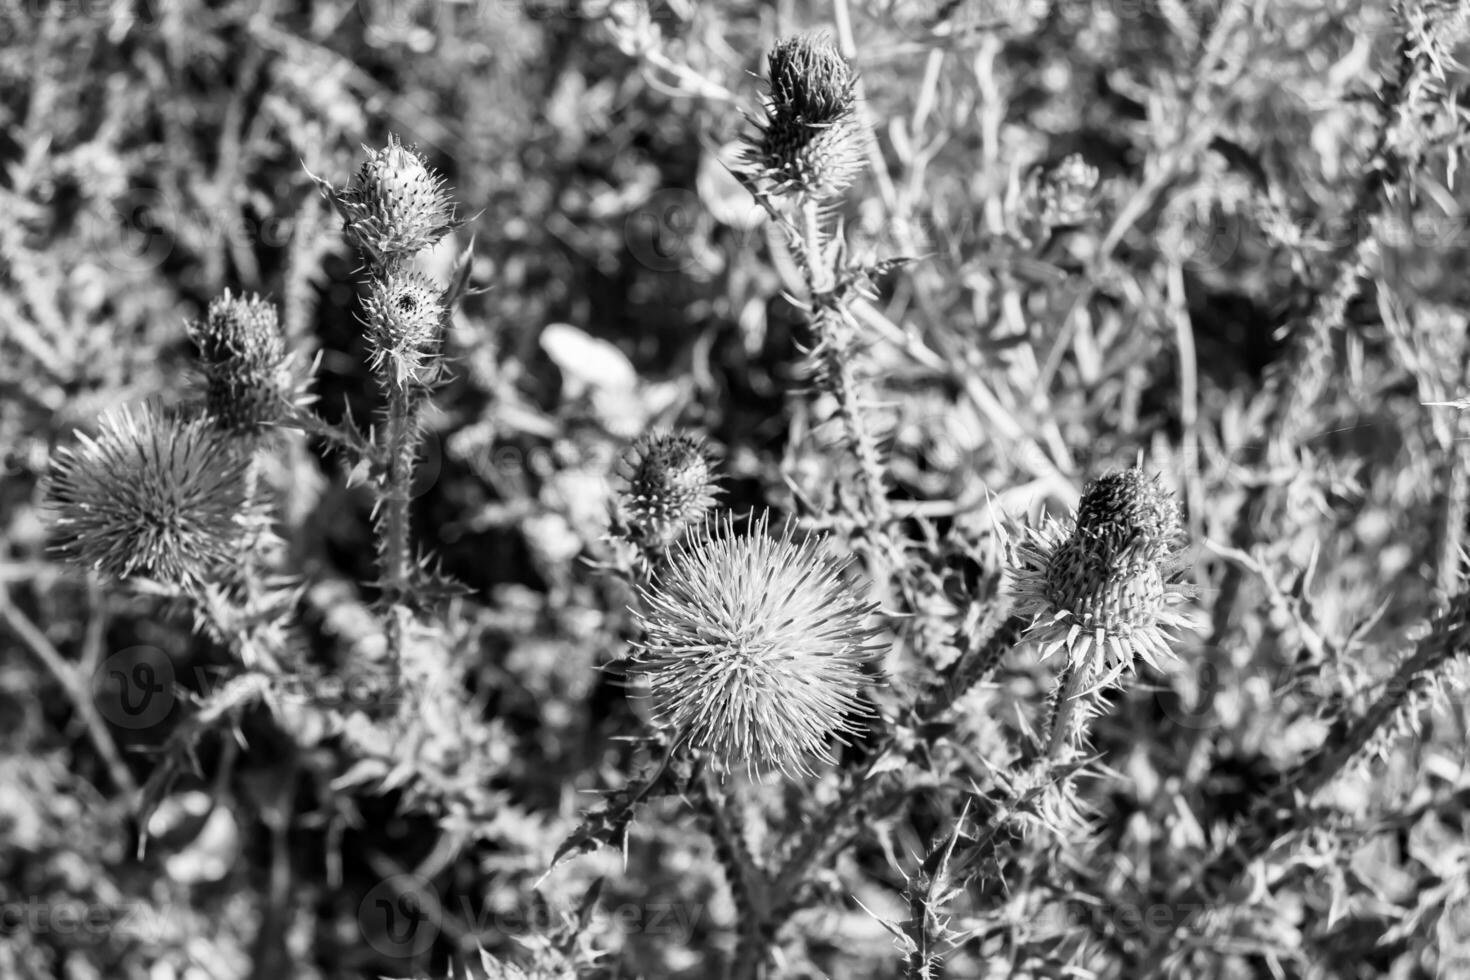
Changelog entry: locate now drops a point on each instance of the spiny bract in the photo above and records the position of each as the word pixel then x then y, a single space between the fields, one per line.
pixel 754 648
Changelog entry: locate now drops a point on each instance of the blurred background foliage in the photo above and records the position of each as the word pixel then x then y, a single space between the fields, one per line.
pixel 154 154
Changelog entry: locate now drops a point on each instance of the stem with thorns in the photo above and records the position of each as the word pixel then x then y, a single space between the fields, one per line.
pixel 1066 722
pixel 819 270
pixel 401 446
pixel 1449 637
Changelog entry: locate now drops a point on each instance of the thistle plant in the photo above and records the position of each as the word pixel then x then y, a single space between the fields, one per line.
pixel 809 148
pixel 1102 591
pixel 149 494
pixel 393 209
pixel 754 647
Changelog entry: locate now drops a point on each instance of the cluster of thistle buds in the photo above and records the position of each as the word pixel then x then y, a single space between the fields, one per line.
pixel 394 208
pixel 812 141
pixel 170 494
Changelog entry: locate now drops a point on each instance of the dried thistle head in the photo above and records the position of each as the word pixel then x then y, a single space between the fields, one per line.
pixel 149 494
pixel 1108 581
pixel 395 206
pixel 405 316
pixel 669 486
pixel 754 647
pixel 811 140
pixel 242 349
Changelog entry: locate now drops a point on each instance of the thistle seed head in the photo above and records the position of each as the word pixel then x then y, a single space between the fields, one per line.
pixel 405 315
pixel 754 648
pixel 1108 579
pixel 149 494
pixel 396 206
pixel 669 485
pixel 811 140
pixel 246 365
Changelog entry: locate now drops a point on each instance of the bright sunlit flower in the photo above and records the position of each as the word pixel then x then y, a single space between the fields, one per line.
pixel 754 648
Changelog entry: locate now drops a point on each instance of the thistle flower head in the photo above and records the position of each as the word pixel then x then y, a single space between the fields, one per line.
pixel 1107 581
pixel 669 485
pixel 246 365
pixel 395 206
pixel 149 494
pixel 753 647
pixel 405 315
pixel 811 140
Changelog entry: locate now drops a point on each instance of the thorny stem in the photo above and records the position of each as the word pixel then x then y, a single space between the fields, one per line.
pixel 396 495
pixel 819 270
pixel 1072 690
pixel 984 651
pixel 1449 637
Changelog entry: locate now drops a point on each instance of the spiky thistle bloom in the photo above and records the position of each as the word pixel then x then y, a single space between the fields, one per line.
pixel 246 364
pixel 669 485
pixel 149 494
pixel 405 316
pixel 812 139
pixel 754 648
pixel 1106 584
pixel 395 206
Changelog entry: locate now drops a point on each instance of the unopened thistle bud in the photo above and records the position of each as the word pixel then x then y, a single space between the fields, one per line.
pixel 405 316
pixel 669 487
pixel 754 648
pixel 149 494
pixel 245 361
pixel 1106 584
pixel 812 140
pixel 395 206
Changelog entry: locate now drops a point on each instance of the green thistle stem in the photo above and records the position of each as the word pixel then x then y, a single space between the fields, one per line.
pixel 1066 720
pixel 402 446
pixel 819 271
